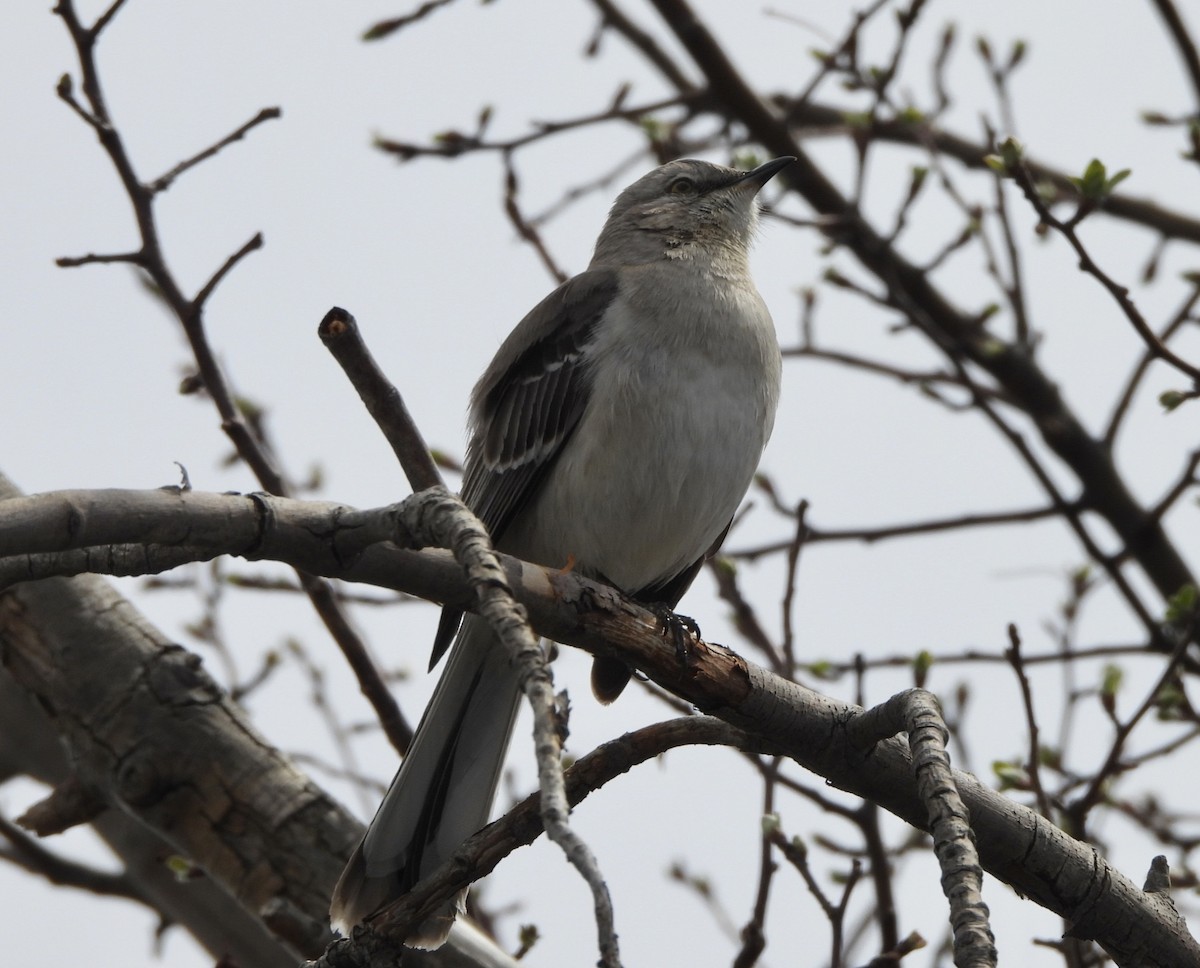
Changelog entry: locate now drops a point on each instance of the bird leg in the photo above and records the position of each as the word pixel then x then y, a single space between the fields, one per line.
pixel 679 627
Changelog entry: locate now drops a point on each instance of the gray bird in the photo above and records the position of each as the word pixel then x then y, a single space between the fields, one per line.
pixel 618 428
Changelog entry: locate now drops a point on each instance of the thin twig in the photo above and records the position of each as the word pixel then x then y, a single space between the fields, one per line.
pixel 1033 763
pixel 531 235
pixel 922 378
pixel 384 28
pixel 92 258
pixel 1181 316
pixel 251 447
pixel 646 44
pixel 818 535
pixel 789 596
pixel 253 245
pixel 1186 480
pixel 453 144
pixel 753 938
pixel 1087 264
pixel 1079 808
pixel 163 182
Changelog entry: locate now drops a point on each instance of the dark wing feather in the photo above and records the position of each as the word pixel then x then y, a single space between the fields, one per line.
pixel 525 407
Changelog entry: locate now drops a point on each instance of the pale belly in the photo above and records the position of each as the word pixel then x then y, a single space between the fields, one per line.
pixel 648 482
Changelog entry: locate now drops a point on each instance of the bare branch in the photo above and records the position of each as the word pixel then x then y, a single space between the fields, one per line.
pixel 163 182
pixel 254 244
pixel 1181 316
pixel 795 722
pixel 1087 264
pixel 818 535
pixel 340 333
pixel 29 854
pixel 71 262
pixel 252 447
pixel 1033 761
pixel 522 225
pixel 1183 43
pixel 383 28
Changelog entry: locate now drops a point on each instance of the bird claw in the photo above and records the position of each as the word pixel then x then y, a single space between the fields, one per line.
pixel 681 628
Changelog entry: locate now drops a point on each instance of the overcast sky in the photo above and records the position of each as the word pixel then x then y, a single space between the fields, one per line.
pixel 423 256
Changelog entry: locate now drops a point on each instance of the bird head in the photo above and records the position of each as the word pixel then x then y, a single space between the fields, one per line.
pixel 684 207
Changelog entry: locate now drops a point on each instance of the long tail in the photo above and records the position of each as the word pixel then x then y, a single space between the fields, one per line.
pixel 443 791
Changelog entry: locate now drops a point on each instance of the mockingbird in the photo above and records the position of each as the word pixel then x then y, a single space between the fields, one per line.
pixel 618 427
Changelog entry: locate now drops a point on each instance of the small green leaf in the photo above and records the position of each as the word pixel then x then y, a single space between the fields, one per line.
pixel 653 128
pixel 528 936
pixel 770 823
pixel 1017 54
pixel 1182 605
pixel 822 669
pixel 182 868
pixel 1170 399
pixel 1110 680
pixel 1012 776
pixel 1095 184
pixel 1046 190
pixel 1049 756
pixel 987 312
pixel 1012 151
pixel 1168 702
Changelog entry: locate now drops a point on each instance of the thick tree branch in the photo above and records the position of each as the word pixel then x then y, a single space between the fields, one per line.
pixel 1015 844
pixel 956 333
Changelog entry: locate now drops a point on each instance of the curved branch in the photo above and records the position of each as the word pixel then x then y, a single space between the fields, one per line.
pixel 1015 844
pixel 1183 42
pixel 523 824
pixel 956 333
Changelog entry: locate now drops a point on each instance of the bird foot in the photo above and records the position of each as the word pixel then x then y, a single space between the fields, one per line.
pixel 681 629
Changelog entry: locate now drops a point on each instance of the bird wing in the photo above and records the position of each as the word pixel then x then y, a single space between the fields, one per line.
pixel 526 406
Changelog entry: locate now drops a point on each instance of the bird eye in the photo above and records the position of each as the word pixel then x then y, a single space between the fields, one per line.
pixel 682 186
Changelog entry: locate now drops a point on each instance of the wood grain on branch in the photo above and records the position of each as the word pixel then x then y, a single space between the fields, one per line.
pixel 1015 844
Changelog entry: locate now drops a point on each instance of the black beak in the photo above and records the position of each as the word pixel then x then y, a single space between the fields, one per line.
pixel 764 173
